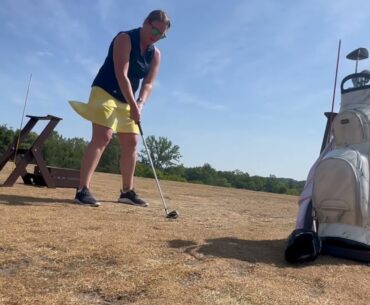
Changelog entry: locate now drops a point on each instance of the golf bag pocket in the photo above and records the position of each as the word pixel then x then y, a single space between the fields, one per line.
pixel 341 188
pixel 352 127
pixel 303 245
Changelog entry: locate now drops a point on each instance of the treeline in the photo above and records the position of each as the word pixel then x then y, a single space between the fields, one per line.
pixel 64 152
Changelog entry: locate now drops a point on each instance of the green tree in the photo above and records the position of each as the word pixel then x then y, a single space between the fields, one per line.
pixel 236 178
pixel 163 153
pixel 6 138
pixel 206 174
pixel 174 173
pixel 67 153
pixel 61 152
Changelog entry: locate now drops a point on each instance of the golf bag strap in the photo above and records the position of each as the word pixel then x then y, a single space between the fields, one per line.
pixel 353 254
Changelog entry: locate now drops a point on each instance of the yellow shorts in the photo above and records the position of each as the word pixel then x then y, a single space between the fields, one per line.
pixel 103 109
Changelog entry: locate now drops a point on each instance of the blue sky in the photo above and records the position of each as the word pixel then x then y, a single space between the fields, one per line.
pixel 242 85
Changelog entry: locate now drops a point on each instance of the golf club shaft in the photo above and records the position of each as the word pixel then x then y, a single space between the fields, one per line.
pixel 152 165
pixel 331 116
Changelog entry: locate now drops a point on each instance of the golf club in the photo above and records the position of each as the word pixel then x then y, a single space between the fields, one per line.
pixel 173 214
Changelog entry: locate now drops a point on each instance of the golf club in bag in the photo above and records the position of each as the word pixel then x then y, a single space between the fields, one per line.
pixel 173 214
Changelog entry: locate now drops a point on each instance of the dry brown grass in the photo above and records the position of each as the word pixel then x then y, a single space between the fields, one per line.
pixel 226 248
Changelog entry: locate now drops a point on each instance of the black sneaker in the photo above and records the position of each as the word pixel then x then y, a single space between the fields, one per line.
pixel 130 197
pixel 83 196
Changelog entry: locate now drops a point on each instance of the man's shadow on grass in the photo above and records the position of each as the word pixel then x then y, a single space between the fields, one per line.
pixel 29 200
pixel 253 251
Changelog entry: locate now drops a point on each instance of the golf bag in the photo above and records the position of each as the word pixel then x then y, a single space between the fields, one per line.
pixel 334 214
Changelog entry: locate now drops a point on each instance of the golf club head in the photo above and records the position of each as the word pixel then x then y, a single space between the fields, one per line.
pixel 358 54
pixel 173 214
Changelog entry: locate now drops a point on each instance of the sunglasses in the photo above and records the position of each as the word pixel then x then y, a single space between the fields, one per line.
pixel 157 33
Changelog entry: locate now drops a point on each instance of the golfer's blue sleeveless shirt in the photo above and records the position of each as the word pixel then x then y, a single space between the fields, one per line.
pixel 138 67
